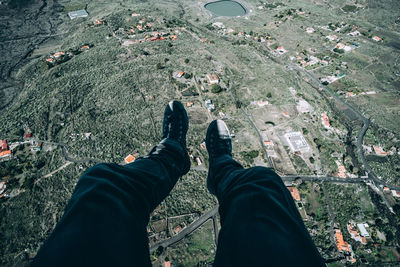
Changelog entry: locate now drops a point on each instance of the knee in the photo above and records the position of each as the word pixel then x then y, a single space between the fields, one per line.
pixel 264 174
pixel 98 170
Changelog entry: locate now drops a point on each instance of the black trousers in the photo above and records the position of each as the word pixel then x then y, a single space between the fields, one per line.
pixel 105 221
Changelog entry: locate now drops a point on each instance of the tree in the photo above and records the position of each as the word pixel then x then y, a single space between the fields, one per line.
pixel 215 88
pixel 187 75
pixel 337 50
pixel 159 66
pixel 186 60
pixel 269 94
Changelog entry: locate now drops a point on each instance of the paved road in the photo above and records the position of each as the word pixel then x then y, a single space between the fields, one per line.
pixel 330 179
pixel 247 116
pixel 182 234
pixel 260 139
pixel 361 133
pixel 67 157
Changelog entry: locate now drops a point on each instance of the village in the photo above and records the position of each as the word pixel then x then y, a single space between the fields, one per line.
pixel 287 101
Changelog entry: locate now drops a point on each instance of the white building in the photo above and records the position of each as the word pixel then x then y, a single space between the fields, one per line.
pixel 331 37
pixel 310 30
pixel 355 33
pixel 78 14
pixel 297 142
pixel 218 24
pixel 209 105
pixel 363 231
pixel 303 106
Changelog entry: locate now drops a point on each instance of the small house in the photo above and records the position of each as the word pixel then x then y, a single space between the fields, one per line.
pixel 180 74
pixel 376 39
pixel 212 78
pixel 5 154
pixel 129 159
pixel 98 22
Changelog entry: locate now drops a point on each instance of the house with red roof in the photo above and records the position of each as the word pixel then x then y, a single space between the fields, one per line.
pixel 3 145
pixel 294 192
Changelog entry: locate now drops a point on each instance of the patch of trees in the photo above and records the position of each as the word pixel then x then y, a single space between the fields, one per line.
pixel 249 156
pixel 349 8
pixel 337 50
pixel 239 42
pixel 215 88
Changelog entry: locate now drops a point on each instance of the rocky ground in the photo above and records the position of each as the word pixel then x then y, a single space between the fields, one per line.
pixel 24 25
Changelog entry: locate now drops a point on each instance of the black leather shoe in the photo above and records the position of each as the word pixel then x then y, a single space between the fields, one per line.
pixel 176 122
pixel 218 140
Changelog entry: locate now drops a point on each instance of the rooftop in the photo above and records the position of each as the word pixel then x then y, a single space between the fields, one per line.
pixel 130 158
pixel 78 14
pixel 294 192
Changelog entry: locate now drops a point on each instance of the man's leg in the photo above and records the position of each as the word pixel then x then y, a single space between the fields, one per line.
pixel 105 221
pixel 261 225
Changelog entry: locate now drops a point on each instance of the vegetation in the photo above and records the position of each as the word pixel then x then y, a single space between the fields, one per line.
pixel 349 8
pixel 215 88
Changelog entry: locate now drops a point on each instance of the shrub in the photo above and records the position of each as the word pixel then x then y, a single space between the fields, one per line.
pixel 215 88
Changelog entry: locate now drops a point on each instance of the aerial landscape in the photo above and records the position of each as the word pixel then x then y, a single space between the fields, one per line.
pixel 310 88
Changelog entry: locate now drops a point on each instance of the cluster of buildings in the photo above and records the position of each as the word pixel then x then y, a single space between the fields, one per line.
pixel 355 234
pixel 394 192
pixel 296 197
pixel 310 61
pixel 155 36
pixel 63 56
pixel 351 94
pixel 380 151
pixel 345 48
pixel 56 56
pixel 332 78
pixel 343 246
pixel 269 146
pixel 209 105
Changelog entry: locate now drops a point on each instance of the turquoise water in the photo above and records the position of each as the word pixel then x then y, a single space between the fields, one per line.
pixel 226 8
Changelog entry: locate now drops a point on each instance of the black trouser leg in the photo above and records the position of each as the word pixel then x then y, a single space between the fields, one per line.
pixel 105 221
pixel 261 225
